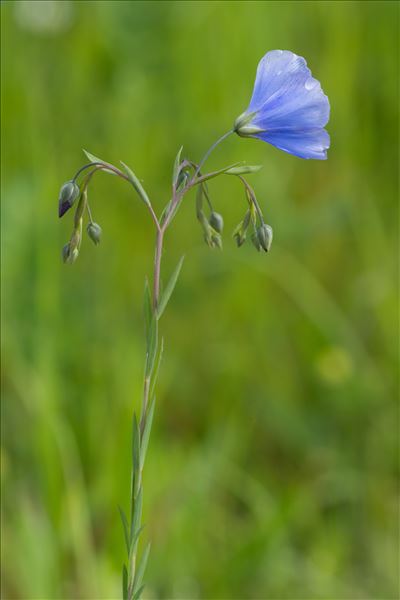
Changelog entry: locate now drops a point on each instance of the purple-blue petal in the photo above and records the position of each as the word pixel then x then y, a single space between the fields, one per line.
pixel 290 106
pixel 308 143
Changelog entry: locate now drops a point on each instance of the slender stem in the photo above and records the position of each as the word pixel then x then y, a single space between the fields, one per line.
pixel 207 154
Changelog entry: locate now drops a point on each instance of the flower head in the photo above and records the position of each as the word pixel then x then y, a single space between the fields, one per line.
pixel 288 108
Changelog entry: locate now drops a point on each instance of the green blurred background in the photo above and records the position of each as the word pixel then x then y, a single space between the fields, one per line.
pixel 271 472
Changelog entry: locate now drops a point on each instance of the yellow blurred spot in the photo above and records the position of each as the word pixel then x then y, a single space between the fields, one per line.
pixel 334 365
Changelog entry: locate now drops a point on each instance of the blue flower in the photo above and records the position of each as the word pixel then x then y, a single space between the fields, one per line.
pixel 288 108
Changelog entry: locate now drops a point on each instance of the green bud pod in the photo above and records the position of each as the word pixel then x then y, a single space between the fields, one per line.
pixel 217 222
pixel 94 232
pixel 240 238
pixel 65 252
pixel 216 241
pixel 68 194
pixel 73 255
pixel 264 236
pixel 256 241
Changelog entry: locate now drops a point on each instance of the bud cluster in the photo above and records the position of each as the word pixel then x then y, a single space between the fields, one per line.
pixel 213 226
pixel 69 193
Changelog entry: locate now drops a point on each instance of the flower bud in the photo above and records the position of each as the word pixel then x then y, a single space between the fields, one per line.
pixel 94 232
pixel 65 252
pixel 255 241
pixel 217 222
pixel 68 194
pixel 264 236
pixel 69 255
pixel 240 238
pixel 216 241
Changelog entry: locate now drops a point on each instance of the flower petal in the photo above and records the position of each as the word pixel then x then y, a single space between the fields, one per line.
pixel 309 143
pixel 286 95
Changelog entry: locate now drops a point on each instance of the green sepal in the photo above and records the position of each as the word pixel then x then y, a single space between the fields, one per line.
pixel 137 582
pixel 136 184
pixel 124 583
pixel 95 159
pixel 176 167
pixel 146 432
pixel 169 288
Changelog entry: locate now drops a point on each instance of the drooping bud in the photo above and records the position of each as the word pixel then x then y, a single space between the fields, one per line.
pixel 69 255
pixel 68 194
pixel 264 236
pixel 216 221
pixel 255 241
pixel 94 232
pixel 239 233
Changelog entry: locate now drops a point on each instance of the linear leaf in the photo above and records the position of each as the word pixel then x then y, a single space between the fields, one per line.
pixel 169 288
pixel 125 526
pixel 242 170
pixel 147 306
pixel 137 512
pixel 157 367
pixel 146 432
pixel 135 444
pixel 137 595
pixel 136 184
pixel 137 582
pixel 176 166
pixel 124 583
pixel 95 159
pixel 152 342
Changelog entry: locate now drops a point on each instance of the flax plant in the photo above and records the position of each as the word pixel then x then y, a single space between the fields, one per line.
pixel 289 110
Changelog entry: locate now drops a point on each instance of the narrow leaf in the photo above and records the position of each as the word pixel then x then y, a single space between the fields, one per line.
pixel 147 306
pixel 137 595
pixel 157 367
pixel 152 342
pixel 126 527
pixel 135 444
pixel 95 159
pixel 137 582
pixel 136 184
pixel 242 170
pixel 137 512
pixel 146 432
pixel 213 174
pixel 135 539
pixel 176 166
pixel 124 583
pixel 169 288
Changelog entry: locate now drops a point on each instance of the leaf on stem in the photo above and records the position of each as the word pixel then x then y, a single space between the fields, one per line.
pixel 152 342
pixel 137 513
pixel 126 528
pixel 135 445
pixel 147 306
pixel 136 184
pixel 176 167
pixel 243 169
pixel 137 582
pixel 95 159
pixel 146 432
pixel 137 595
pixel 124 583
pixel 169 288
pixel 157 367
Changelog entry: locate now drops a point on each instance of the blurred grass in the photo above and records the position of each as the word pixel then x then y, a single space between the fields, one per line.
pixel 273 462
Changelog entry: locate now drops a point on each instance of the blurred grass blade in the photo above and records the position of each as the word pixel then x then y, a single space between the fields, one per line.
pixel 136 184
pixel 126 527
pixel 176 166
pixel 124 583
pixel 137 582
pixel 95 159
pixel 169 288
pixel 146 432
